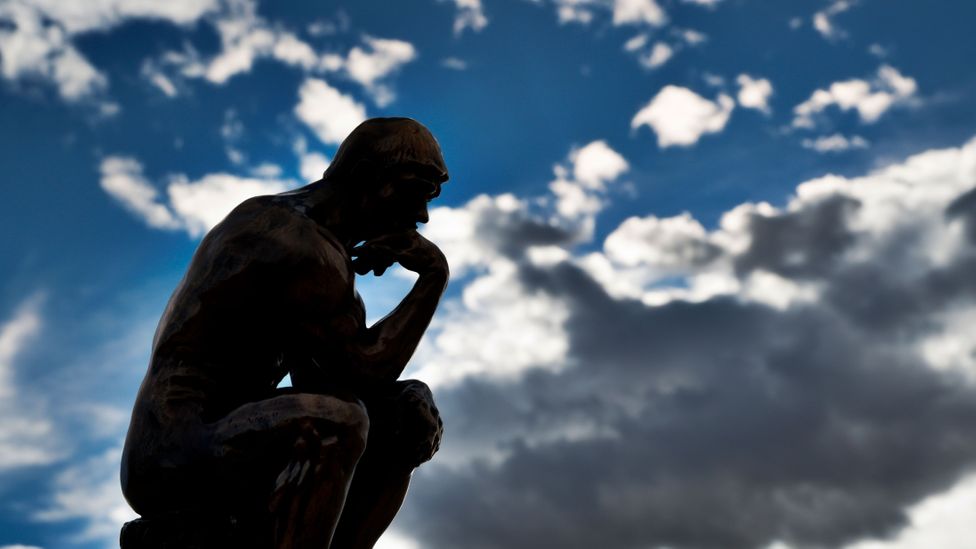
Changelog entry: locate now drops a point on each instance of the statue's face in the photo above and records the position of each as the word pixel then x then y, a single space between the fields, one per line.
pixel 399 202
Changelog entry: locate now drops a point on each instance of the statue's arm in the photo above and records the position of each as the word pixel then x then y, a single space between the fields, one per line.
pixel 339 339
pixel 383 350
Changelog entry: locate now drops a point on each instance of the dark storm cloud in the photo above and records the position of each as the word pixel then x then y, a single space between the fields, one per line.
pixel 964 208
pixel 720 424
pixel 803 243
pixel 514 233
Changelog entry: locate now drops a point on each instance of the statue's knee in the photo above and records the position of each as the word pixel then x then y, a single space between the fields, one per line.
pixel 419 422
pixel 416 401
pixel 328 420
pixel 414 389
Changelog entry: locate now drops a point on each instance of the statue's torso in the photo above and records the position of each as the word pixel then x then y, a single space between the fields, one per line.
pixel 255 284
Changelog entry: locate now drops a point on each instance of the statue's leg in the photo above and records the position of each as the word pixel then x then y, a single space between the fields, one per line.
pixel 405 432
pixel 316 442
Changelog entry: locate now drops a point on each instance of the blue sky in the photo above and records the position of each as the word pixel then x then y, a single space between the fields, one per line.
pixel 705 253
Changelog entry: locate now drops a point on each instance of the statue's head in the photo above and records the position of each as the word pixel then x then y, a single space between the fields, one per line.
pixel 380 144
pixel 395 165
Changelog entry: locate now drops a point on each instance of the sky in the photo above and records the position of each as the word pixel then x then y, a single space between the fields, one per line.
pixel 712 260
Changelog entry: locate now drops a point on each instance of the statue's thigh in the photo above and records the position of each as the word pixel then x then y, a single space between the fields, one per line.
pixel 274 426
pixel 255 442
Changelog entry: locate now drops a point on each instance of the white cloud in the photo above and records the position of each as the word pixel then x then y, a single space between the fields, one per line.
pixel 39 42
pixel 151 72
pixel 193 206
pixel 568 13
pixel 653 56
pixel 643 257
pixel 628 12
pixel 393 539
pixel 835 143
pixel 289 49
pixel 266 170
pixel 381 58
pixel 622 12
pixel 454 63
pixel 822 20
pixel 669 244
pixel 692 37
pixel 707 3
pixel 470 15
pixel 246 37
pixel 579 188
pixel 574 11
pixel 637 42
pixel 680 117
pixel 952 347
pixel 822 24
pixel 329 28
pixel 713 80
pixel 232 128
pixel 91 491
pixel 496 330
pixel 870 99
pixel 329 113
pixel 122 179
pixel 596 164
pixel 658 56
pixel 313 165
pixel 573 201
pixel 203 203
pixel 15 333
pixel 75 76
pixel 754 93
pixel 103 14
pixel 32 50
pixel 38 45
pixel 944 520
pixel 455 230
pixel 26 435
pixel 901 86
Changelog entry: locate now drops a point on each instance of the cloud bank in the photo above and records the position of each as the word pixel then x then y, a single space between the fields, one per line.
pixel 796 376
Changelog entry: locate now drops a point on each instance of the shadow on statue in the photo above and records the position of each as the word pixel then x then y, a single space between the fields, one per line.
pixel 217 455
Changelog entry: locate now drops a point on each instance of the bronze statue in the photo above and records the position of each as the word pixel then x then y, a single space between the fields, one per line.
pixel 216 454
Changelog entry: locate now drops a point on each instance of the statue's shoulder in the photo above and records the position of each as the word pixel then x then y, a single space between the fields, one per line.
pixel 271 229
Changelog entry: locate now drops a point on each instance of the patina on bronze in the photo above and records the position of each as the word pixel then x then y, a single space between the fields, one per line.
pixel 216 454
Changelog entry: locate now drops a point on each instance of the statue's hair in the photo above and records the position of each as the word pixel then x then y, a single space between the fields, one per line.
pixel 389 143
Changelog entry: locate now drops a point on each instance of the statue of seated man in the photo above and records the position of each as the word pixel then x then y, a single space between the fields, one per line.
pixel 269 292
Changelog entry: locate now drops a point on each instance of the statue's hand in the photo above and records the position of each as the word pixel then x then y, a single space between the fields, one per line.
pixel 410 249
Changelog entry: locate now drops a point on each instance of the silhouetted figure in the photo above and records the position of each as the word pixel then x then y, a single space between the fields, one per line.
pixel 213 444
